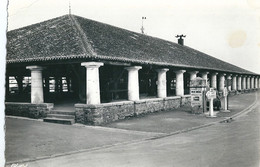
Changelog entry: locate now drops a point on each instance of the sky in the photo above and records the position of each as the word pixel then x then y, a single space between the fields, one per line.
pixel 227 30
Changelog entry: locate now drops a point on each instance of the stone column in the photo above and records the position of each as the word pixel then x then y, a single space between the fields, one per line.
pixel 161 83
pixel 256 82
pixel 179 82
pixel 221 82
pixel 58 84
pixel 205 76
pixel 252 82
pixel 133 82
pixel 259 82
pixel 228 78
pixel 36 84
pixel 244 83
pixel 214 80
pixel 239 87
pixel 193 74
pixel 19 80
pixel 92 82
pixel 248 86
pixel 234 82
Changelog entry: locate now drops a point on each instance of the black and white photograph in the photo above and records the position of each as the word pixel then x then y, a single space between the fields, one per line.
pixel 127 83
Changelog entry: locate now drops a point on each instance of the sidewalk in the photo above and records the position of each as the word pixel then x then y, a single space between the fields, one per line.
pixel 30 139
pixel 177 120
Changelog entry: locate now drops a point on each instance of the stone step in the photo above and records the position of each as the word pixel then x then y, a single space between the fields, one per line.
pixel 62 112
pixel 61 116
pixel 59 120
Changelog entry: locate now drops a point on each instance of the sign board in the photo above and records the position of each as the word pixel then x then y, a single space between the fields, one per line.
pixel 198 83
pixel 196 96
pixel 211 94
pixel 225 91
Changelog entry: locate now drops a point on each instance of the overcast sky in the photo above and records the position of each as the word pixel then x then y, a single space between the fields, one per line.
pixel 226 29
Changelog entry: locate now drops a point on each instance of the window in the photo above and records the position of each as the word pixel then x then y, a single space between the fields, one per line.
pixel 52 84
pixel 64 84
pixel 13 85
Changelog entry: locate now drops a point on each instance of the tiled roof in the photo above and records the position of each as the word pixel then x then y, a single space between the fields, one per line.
pixel 72 37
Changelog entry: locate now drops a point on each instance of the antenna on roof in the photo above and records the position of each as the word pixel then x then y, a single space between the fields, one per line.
pixel 142 28
pixel 69 8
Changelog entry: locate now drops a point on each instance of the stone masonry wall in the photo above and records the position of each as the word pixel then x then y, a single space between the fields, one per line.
pixel 172 102
pixel 103 113
pixel 185 100
pixel 232 93
pixel 149 106
pixel 28 110
pixel 109 112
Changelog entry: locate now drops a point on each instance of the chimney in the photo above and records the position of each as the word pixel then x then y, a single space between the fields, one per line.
pixel 180 39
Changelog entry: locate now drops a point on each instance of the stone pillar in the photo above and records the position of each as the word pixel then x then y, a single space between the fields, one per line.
pixel 252 82
pixel 19 80
pixel 234 82
pixel 214 80
pixel 133 82
pixel 248 86
pixel 228 78
pixel 193 74
pixel 256 82
pixel 244 83
pixel 205 76
pixel 179 82
pixel 36 84
pixel 92 82
pixel 259 82
pixel 58 84
pixel 239 83
pixel 221 82
pixel 161 83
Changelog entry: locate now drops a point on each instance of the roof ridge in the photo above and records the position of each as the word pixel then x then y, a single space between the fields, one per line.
pixel 83 38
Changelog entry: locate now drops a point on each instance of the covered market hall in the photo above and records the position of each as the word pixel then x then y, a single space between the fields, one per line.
pixel 95 73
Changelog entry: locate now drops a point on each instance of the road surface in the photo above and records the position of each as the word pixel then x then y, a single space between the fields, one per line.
pixel 234 144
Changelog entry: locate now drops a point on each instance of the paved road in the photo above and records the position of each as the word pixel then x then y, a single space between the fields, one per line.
pixel 235 144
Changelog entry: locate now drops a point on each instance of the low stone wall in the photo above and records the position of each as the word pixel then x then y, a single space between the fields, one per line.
pixel 240 91
pixel 103 113
pixel 185 100
pixel 247 90
pixel 172 102
pixel 148 105
pixel 109 112
pixel 28 110
pixel 233 92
